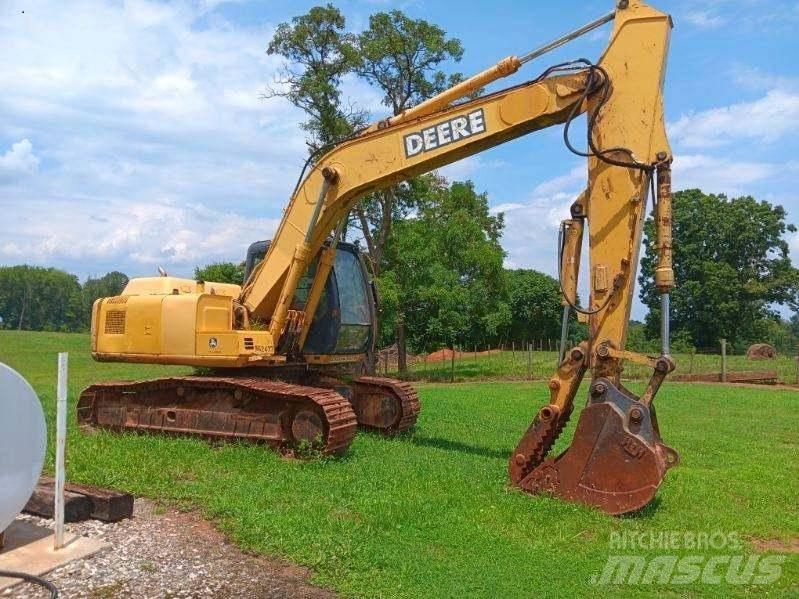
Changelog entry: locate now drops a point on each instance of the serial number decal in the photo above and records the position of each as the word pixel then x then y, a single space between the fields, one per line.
pixel 444 133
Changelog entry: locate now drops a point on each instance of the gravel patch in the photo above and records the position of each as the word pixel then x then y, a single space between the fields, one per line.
pixel 166 553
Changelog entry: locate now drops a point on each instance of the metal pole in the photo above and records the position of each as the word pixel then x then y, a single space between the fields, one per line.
pixel 665 324
pixel 60 448
pixel 564 333
pixel 723 360
pixel 565 39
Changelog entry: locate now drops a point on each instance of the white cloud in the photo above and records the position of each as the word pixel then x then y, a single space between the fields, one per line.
pixel 574 179
pixel 718 175
pixel 531 224
pixel 18 161
pixel 151 141
pixel 156 232
pixel 704 19
pixel 463 169
pixel 765 120
pixel 753 78
pixel 506 207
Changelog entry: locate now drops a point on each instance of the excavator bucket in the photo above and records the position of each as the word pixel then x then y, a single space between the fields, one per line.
pixel 616 461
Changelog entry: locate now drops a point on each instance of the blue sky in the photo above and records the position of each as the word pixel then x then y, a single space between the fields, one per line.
pixel 132 133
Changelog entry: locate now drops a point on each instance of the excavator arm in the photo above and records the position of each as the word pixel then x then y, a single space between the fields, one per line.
pixel 617 460
pixel 386 156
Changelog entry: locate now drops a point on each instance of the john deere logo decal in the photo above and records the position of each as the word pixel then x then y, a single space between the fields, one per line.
pixel 445 133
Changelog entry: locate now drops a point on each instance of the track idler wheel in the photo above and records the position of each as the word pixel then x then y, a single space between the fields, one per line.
pixel 307 427
pixel 385 405
pixel 616 461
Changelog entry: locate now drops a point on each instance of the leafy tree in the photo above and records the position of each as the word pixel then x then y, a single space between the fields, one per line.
pixel 535 305
pixel 399 56
pixel 108 285
pixel 318 53
pixel 39 299
pixel 221 272
pixel 444 274
pixel 731 267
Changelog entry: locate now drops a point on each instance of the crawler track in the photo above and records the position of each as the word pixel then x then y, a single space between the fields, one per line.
pixel 224 408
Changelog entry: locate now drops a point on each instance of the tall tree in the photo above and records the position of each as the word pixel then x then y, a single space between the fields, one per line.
pixel 731 266
pixel 401 57
pixel 318 53
pixel 535 304
pixel 443 270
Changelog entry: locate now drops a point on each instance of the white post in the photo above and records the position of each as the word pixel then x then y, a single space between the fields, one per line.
pixel 60 448
pixel 723 360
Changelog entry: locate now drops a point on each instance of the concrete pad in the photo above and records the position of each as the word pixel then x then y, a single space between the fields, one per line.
pixel 38 557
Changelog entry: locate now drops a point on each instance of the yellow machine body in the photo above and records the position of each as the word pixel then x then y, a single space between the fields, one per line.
pixel 168 320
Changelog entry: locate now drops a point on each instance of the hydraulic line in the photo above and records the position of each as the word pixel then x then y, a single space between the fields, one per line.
pixel 54 592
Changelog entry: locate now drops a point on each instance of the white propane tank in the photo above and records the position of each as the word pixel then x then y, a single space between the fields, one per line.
pixel 23 441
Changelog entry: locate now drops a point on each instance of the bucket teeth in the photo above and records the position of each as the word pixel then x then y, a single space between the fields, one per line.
pixel 616 461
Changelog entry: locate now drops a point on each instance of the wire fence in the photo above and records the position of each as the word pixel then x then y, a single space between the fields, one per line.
pixel 538 359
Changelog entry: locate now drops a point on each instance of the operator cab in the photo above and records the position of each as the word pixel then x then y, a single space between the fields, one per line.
pixel 344 319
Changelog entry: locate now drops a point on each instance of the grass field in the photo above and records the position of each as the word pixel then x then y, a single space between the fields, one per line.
pixel 431 514
pixel 514 365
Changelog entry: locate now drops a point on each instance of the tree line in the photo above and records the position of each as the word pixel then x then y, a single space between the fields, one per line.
pixel 442 283
pixel 33 298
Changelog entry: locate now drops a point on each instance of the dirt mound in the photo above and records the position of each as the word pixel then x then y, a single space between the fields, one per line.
pixel 442 355
pixel 761 351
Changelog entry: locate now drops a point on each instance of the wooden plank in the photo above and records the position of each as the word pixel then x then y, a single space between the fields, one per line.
pixel 107 505
pixel 77 508
pixel 766 376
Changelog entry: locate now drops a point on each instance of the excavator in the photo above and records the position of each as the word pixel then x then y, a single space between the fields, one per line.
pixel 280 358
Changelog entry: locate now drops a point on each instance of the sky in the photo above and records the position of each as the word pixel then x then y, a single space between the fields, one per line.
pixel 133 133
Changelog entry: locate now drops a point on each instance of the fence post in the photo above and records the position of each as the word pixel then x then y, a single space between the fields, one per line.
pixel 60 448
pixel 797 364
pixel 530 361
pixel 723 360
pixel 385 363
pixel 452 367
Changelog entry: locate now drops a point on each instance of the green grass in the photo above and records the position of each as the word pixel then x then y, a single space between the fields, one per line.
pixel 431 514
pixel 514 365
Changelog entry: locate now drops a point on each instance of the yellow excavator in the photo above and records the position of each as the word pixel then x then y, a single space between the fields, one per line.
pixel 282 355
